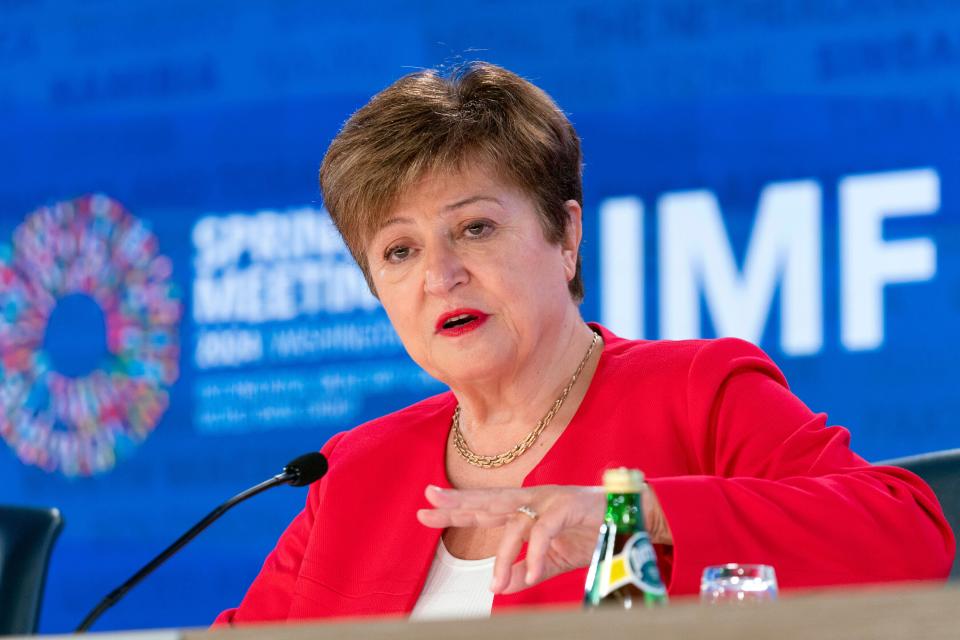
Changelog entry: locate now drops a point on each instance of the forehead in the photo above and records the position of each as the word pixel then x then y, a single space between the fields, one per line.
pixel 441 190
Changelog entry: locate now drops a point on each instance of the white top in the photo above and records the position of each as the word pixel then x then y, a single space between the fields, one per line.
pixel 455 588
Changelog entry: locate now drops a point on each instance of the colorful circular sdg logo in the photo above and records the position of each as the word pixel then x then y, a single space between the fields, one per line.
pixel 91 247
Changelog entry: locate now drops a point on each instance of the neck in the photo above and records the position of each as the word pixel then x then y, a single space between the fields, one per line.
pixel 495 414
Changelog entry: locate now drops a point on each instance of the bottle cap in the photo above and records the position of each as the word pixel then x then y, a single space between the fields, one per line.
pixel 622 480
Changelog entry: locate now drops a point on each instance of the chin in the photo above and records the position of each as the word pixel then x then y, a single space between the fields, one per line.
pixel 469 370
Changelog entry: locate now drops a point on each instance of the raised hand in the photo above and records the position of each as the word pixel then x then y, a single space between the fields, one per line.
pixel 559 524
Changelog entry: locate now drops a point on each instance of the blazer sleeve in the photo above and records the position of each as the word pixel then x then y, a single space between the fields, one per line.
pixel 779 487
pixel 269 597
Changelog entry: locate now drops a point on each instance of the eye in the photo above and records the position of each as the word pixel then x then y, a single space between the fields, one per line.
pixel 396 254
pixel 478 229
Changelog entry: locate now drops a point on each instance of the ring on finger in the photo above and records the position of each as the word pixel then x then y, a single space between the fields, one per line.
pixel 528 511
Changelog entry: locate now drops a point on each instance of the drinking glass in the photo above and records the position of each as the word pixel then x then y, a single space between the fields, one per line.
pixel 736 583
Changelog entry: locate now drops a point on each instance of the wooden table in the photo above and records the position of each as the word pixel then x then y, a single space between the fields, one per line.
pixel 885 613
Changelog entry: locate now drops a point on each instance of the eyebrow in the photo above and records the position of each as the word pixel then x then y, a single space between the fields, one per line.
pixel 392 221
pixel 450 207
pixel 471 200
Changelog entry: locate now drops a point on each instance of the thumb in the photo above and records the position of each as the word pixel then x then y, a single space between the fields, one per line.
pixel 654 519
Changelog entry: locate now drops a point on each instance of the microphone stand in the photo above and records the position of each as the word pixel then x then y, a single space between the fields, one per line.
pixel 114 596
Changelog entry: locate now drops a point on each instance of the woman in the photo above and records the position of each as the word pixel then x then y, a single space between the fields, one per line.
pixel 460 198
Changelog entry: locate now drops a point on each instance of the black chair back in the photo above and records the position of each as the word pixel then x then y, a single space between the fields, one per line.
pixel 26 540
pixel 940 470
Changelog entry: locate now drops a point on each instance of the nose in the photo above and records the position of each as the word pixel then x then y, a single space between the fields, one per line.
pixel 444 270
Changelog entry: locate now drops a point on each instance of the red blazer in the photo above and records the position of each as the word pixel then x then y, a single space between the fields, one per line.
pixel 744 472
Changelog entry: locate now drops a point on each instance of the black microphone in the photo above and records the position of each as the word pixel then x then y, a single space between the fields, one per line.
pixel 300 472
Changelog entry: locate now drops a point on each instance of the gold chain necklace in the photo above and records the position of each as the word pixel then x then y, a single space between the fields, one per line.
pixel 492 462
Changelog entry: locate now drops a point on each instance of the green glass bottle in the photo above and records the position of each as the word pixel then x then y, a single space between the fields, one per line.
pixel 623 572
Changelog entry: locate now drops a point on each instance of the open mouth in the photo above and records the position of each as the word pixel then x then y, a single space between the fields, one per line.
pixel 460 321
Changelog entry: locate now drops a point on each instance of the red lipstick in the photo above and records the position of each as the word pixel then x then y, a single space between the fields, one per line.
pixel 460 321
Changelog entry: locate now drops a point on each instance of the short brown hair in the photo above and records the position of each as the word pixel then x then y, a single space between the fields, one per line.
pixel 429 121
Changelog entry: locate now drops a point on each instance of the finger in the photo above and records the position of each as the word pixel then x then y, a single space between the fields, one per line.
pixel 500 500
pixel 541 535
pixel 457 518
pixel 518 578
pixel 514 535
pixel 492 500
pixel 442 518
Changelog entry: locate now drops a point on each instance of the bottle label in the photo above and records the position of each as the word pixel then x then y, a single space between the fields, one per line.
pixel 635 564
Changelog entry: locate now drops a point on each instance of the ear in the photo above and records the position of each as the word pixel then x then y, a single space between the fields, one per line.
pixel 570 245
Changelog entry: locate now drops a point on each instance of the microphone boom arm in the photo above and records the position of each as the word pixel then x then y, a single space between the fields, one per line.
pixel 114 596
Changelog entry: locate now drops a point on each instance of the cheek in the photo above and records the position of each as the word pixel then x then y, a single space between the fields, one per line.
pixel 394 274
pixel 527 282
pixel 396 304
pixel 538 267
pixel 402 306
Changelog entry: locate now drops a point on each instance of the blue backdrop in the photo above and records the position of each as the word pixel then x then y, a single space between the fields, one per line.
pixel 785 171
